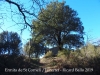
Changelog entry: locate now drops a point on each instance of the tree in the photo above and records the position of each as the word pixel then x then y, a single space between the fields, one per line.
pixel 10 43
pixel 33 49
pixel 20 12
pixel 58 25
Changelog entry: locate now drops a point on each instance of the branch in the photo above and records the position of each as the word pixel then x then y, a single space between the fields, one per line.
pixel 25 13
pixel 20 10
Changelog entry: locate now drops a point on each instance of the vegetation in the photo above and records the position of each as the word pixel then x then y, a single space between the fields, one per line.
pixel 57 25
pixel 65 59
pixel 77 59
pixel 64 53
pixel 10 43
pixel 48 54
pixel 21 12
pixel 33 49
pixel 17 62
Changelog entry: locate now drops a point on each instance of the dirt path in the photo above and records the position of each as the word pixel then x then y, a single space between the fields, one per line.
pixel 53 62
pixel 45 62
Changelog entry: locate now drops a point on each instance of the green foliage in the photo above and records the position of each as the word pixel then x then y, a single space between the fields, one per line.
pixel 34 49
pixel 64 53
pixel 36 60
pixel 53 63
pixel 90 50
pixel 58 25
pixel 48 54
pixel 16 62
pixel 10 43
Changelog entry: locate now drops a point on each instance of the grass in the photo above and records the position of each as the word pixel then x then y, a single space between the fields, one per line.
pixel 48 54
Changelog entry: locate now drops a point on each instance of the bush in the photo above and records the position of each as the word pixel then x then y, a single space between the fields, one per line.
pixel 63 53
pixel 35 60
pixel 49 54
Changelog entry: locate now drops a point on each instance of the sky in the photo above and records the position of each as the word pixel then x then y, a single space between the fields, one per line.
pixel 88 12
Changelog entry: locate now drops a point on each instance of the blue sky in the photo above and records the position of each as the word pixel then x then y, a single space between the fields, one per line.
pixel 88 11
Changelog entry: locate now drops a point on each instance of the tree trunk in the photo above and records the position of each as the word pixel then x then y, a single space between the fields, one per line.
pixel 59 41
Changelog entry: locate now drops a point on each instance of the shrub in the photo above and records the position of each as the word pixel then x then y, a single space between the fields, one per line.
pixel 63 53
pixel 49 54
pixel 35 60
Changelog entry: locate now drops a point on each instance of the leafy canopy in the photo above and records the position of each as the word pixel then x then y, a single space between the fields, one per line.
pixel 58 25
pixel 10 43
pixel 33 49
